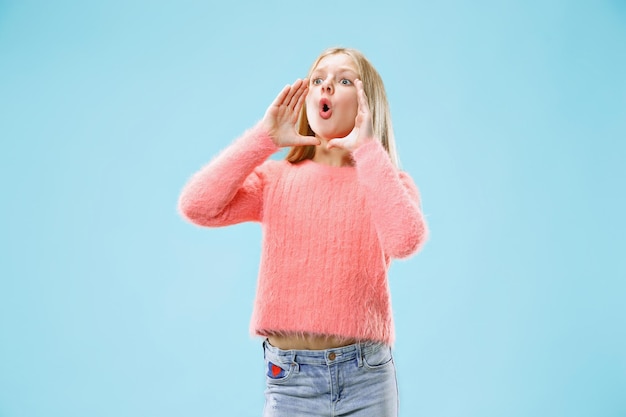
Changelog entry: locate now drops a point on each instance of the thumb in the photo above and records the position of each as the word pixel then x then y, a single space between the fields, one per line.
pixel 308 140
pixel 335 143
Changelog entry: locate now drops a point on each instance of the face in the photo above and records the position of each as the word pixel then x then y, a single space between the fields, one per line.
pixel 332 104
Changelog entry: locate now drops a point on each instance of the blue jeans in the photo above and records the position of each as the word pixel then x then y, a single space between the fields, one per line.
pixel 357 380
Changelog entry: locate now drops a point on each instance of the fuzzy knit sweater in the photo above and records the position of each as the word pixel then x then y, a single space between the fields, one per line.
pixel 329 234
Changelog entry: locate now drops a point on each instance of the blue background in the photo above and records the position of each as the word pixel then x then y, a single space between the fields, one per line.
pixel 510 116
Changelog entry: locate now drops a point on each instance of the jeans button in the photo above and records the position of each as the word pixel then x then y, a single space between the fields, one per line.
pixel 332 356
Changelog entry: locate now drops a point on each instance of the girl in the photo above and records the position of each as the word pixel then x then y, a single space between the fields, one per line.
pixel 333 215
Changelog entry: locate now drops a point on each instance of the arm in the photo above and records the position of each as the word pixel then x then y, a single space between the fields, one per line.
pixel 393 200
pixel 391 196
pixel 230 188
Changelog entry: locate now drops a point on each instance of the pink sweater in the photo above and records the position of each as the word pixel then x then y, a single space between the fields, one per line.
pixel 328 234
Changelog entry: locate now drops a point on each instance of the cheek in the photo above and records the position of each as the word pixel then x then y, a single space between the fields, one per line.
pixel 352 107
pixel 310 109
pixel 308 101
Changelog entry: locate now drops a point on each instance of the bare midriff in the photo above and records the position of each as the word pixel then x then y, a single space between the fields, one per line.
pixel 308 342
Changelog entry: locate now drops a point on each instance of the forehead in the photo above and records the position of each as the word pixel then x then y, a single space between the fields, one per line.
pixel 336 62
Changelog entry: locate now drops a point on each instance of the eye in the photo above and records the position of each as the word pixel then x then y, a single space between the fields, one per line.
pixel 316 81
pixel 345 81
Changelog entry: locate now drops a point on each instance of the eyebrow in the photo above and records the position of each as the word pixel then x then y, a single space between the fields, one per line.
pixel 340 69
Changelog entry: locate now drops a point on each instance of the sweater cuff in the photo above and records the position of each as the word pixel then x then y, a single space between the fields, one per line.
pixel 370 149
pixel 262 140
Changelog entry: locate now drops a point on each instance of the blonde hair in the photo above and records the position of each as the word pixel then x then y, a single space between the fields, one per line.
pixel 376 98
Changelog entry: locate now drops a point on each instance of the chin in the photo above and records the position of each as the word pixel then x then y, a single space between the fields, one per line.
pixel 328 132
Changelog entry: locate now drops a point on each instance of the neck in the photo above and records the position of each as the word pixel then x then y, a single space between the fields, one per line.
pixel 335 157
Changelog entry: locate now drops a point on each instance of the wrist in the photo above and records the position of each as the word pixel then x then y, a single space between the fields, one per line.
pixel 268 130
pixel 366 147
pixel 264 135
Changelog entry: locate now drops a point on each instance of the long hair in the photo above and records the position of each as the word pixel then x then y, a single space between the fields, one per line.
pixel 377 100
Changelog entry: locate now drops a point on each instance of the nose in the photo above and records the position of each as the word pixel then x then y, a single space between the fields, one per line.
pixel 327 86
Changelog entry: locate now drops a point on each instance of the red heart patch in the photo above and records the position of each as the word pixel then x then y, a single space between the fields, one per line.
pixel 276 370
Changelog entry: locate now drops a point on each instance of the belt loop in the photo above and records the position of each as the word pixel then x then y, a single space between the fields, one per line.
pixel 359 354
pixel 293 361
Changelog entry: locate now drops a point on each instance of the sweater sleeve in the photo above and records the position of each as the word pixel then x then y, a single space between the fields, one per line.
pixel 393 200
pixel 229 189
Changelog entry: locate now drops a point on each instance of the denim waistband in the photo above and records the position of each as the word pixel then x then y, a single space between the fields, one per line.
pixel 321 357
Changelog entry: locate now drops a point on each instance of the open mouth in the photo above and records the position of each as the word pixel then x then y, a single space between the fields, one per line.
pixel 325 109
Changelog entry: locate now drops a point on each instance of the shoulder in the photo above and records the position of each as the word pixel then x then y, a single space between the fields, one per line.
pixel 405 176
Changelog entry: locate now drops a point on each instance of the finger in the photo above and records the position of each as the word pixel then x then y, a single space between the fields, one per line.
pixel 280 98
pixel 293 92
pixel 304 89
pixel 293 102
pixel 336 143
pixel 308 140
pixel 363 104
pixel 301 99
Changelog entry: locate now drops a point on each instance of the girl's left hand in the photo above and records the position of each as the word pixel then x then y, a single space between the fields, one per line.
pixel 363 130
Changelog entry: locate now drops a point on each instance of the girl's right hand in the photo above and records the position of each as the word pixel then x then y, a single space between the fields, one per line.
pixel 281 116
